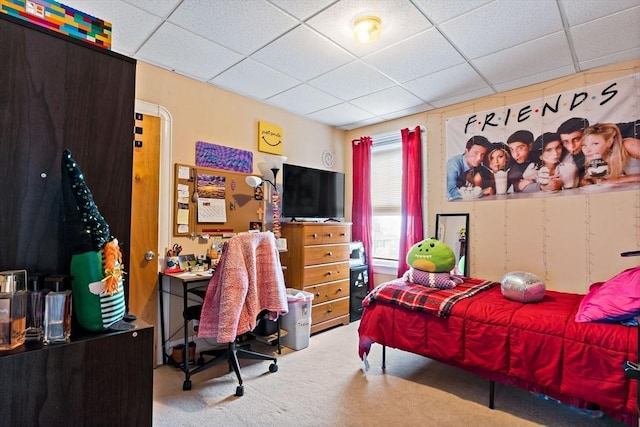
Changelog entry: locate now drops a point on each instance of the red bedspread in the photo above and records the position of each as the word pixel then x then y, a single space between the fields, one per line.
pixel 535 346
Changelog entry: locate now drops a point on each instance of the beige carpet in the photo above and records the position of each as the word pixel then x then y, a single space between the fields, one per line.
pixel 323 385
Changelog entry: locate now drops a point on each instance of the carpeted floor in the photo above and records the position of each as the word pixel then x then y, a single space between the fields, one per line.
pixel 324 385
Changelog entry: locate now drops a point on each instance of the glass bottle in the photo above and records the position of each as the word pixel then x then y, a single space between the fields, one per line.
pixel 35 307
pixel 57 311
pixel 13 308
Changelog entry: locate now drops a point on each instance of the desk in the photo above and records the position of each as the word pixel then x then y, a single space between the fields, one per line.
pixel 188 281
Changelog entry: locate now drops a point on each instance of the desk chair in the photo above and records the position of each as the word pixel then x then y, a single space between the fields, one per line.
pixel 247 284
pixel 235 350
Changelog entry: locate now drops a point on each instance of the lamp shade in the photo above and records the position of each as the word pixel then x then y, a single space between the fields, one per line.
pixel 253 181
pixel 270 163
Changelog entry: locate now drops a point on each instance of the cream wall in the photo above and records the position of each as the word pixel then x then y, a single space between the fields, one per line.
pixel 569 241
pixel 201 112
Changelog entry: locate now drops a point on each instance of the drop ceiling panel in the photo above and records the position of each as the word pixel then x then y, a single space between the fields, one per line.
pixel 611 59
pixel 160 8
pixel 581 11
pixel 462 97
pixel 186 53
pixel 258 22
pixel 343 114
pixel 352 81
pixel 408 111
pixel 528 59
pixel 534 78
pixel 387 101
pixel 304 99
pixel 303 54
pixel 254 80
pixel 441 11
pixel 502 24
pixel 604 36
pixel 417 56
pixel 302 9
pixel 460 79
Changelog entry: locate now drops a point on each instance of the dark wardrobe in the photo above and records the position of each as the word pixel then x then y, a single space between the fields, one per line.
pixel 57 93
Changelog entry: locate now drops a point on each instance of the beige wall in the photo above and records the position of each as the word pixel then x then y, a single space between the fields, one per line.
pixel 201 112
pixel 569 241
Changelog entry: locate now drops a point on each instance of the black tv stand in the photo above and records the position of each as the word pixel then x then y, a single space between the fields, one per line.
pixel 332 220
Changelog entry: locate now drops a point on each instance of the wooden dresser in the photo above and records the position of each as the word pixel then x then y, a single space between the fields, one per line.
pixel 317 261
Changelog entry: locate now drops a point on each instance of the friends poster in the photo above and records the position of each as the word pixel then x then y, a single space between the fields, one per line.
pixel 576 142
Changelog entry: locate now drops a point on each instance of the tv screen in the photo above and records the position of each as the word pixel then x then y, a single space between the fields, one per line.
pixel 312 193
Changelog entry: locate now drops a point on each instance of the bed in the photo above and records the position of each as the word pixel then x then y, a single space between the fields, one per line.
pixel 536 346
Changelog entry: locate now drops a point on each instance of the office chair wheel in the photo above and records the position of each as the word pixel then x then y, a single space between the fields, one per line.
pixel 240 390
pixel 186 385
pixel 273 368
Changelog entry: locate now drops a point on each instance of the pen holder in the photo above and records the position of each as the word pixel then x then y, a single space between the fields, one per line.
pixel 173 263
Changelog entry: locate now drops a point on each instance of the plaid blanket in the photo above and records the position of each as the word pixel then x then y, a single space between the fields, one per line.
pixel 422 298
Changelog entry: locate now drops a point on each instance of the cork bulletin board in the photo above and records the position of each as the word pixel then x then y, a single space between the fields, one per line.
pixel 214 201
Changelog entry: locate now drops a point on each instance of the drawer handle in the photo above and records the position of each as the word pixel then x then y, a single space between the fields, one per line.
pixel 329 253
pixel 314 235
pixel 329 310
pixel 339 289
pixel 330 234
pixel 329 273
pixel 318 294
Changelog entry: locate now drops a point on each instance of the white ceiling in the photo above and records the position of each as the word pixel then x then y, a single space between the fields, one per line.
pixel 300 55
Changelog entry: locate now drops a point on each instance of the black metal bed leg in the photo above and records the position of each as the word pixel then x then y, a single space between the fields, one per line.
pixel 492 390
pixel 384 357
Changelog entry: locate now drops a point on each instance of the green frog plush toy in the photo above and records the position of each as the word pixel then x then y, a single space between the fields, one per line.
pixel 431 262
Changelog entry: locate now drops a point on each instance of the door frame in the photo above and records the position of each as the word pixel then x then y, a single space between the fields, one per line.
pixel 164 199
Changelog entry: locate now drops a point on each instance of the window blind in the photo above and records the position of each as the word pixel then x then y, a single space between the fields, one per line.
pixel 386 176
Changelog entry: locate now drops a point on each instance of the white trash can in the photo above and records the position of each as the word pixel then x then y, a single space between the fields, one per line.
pixel 297 322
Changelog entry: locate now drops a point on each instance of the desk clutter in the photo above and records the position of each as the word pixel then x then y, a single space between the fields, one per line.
pixel 177 263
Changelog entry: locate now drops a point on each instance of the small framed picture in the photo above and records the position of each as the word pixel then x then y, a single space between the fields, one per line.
pixel 187 261
pixel 255 226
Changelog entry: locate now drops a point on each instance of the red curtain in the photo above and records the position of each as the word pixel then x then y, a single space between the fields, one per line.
pixel 361 204
pixel 411 230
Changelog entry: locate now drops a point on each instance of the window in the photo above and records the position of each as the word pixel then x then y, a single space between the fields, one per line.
pixel 386 193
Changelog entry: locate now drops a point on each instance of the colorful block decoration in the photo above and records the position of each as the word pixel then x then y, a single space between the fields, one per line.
pixel 62 19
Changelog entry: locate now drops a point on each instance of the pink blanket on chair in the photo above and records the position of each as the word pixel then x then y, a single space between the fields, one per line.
pixel 247 280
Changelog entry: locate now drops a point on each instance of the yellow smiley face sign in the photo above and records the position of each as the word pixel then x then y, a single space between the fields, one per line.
pixel 270 138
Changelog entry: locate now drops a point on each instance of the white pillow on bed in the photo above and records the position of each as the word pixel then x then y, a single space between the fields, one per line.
pixel 616 300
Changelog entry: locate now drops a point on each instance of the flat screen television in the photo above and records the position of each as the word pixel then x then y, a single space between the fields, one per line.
pixel 312 193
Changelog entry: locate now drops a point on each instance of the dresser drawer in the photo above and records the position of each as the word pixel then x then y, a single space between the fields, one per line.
pixel 326 234
pixel 322 254
pixel 330 309
pixel 325 273
pixel 328 291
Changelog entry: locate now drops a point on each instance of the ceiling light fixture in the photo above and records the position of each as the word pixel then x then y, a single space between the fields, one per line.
pixel 367 29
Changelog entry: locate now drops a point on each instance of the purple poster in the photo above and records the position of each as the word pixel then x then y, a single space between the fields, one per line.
pixel 226 158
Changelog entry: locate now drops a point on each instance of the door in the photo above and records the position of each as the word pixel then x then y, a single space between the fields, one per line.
pixel 143 271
